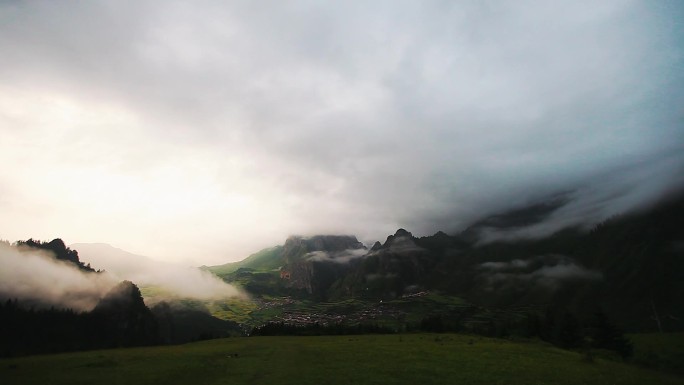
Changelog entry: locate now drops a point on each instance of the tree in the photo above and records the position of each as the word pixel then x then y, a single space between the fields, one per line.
pixel 605 335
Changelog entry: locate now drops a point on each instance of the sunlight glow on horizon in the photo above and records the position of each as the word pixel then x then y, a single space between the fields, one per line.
pixel 99 194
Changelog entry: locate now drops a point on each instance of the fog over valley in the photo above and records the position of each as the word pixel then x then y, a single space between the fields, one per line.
pixel 173 281
pixel 34 275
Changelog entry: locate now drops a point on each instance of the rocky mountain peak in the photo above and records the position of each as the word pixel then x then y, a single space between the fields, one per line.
pixel 400 236
pixel 297 246
pixel 308 261
pixel 403 233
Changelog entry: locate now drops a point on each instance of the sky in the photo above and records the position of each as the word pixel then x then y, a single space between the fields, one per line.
pixel 201 132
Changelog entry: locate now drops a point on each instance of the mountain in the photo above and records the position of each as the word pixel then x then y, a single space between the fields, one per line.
pixel 58 250
pixel 313 264
pixel 265 260
pixel 302 266
pixel 45 274
pixel 498 225
pixel 396 267
pixel 631 267
pixel 51 302
pixel 114 260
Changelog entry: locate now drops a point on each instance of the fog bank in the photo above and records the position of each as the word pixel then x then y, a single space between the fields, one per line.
pixel 35 276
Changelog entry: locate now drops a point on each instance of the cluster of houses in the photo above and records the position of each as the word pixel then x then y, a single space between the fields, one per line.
pixel 302 318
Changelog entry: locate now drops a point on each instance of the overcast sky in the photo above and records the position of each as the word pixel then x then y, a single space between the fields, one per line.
pixel 203 131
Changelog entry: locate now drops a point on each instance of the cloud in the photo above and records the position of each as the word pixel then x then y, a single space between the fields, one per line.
pixel 340 257
pixel 514 264
pixel 217 129
pixel 546 270
pixel 566 271
pixel 162 278
pixel 34 276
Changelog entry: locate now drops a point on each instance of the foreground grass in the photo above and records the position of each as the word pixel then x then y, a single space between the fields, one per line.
pixel 370 359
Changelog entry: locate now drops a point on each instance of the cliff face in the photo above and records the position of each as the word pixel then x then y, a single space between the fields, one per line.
pixel 297 247
pixel 314 263
pixel 398 266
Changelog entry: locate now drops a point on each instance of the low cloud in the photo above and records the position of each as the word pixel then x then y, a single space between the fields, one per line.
pixel 566 271
pixel 34 276
pixel 547 270
pixel 161 279
pixel 336 257
pixel 514 264
pixel 375 277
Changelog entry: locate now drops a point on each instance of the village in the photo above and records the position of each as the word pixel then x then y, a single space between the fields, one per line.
pixel 297 313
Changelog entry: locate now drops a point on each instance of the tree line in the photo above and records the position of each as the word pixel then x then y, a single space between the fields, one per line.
pixel 121 319
pixel 560 328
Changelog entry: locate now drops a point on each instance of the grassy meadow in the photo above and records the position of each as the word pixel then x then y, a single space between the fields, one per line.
pixel 368 359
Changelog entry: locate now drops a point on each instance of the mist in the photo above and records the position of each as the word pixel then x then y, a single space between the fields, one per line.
pixel 164 280
pixel 549 271
pixel 340 257
pixel 35 277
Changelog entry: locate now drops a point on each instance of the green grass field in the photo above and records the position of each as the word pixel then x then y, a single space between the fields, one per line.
pixel 369 359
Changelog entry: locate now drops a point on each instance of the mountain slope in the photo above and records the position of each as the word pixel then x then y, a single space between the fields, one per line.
pixel 263 260
pixel 631 267
pixel 114 260
pixel 313 264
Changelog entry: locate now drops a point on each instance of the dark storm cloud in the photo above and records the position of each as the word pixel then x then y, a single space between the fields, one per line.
pixel 365 117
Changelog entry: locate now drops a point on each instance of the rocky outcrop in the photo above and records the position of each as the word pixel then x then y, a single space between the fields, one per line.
pixel 390 268
pixel 314 263
pixel 297 247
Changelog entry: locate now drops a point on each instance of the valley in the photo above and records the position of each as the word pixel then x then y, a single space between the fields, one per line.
pixel 570 297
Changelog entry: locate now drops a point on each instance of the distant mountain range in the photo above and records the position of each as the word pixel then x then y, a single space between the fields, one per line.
pixel 630 266
pixel 114 260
